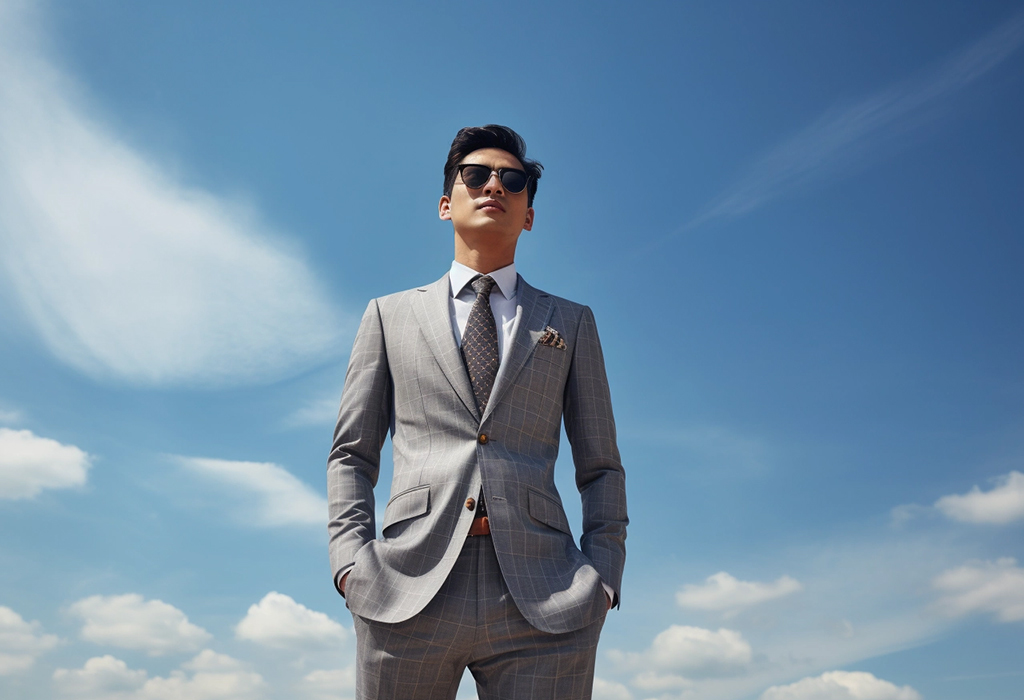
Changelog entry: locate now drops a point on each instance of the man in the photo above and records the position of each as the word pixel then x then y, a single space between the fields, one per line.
pixel 473 375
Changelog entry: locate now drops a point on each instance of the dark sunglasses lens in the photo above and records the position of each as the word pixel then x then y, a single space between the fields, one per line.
pixel 513 180
pixel 475 175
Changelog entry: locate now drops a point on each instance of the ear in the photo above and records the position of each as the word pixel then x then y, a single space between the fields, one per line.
pixel 444 208
pixel 528 225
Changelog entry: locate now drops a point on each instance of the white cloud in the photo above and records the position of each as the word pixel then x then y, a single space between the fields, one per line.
pixel 209 660
pixel 269 494
pixel 723 592
pixel 214 677
pixel 21 642
pixel 278 621
pixel 688 652
pixel 100 677
pixel 658 682
pixel 333 684
pixel 124 271
pixel 841 685
pixel 29 464
pixel 610 690
pixel 130 622
pixel 983 587
pixel 1003 504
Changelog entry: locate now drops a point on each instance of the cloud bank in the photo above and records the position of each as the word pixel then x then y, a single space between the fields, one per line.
pixel 21 642
pixel 29 464
pixel 125 273
pixel 334 684
pixel 209 676
pixel 841 685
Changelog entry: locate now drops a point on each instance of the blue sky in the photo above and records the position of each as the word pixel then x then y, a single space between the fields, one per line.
pixel 799 227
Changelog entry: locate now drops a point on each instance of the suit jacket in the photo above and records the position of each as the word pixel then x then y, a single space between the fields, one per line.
pixel 405 367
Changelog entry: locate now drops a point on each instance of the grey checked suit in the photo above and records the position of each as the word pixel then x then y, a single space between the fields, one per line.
pixel 405 371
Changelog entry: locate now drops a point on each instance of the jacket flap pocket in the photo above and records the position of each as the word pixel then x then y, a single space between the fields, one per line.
pixel 548 511
pixel 408 504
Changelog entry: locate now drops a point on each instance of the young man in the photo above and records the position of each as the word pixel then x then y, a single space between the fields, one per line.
pixel 473 375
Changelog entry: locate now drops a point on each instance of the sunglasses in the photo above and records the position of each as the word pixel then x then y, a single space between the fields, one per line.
pixel 476 176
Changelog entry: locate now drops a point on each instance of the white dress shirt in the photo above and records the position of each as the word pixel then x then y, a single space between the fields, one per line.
pixel 503 302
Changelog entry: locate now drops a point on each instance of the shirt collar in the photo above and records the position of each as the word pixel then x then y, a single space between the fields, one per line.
pixel 505 278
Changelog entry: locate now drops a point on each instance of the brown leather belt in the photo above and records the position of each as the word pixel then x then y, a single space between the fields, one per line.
pixel 480 526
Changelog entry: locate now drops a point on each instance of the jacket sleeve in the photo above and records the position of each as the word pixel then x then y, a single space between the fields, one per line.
pixel 354 462
pixel 590 427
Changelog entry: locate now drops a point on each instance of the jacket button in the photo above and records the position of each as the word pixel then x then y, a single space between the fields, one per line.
pixel 470 504
pixel 483 438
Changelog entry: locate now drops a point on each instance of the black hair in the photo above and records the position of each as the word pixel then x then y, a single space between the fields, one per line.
pixel 473 138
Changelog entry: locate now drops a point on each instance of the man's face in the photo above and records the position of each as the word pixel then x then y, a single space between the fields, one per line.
pixel 487 216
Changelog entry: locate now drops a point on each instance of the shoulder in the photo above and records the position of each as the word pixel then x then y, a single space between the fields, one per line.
pixel 405 298
pixel 567 308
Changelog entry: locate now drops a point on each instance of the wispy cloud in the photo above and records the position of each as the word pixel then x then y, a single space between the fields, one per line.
pixel 10 416
pixel 125 272
pixel 318 412
pixel 266 494
pixel 29 464
pixel 726 593
pixel 844 138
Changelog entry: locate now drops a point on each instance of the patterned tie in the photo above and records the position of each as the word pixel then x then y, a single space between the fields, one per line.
pixel 480 342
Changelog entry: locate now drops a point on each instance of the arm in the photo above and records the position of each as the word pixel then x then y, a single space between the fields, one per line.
pixel 354 462
pixel 590 426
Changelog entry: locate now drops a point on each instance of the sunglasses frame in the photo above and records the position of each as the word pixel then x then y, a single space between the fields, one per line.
pixel 499 171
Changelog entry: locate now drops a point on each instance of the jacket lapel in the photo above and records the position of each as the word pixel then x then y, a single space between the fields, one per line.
pixel 532 316
pixel 435 321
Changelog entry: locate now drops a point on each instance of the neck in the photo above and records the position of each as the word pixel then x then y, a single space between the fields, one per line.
pixel 484 261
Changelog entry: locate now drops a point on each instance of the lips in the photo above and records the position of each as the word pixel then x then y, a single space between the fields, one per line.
pixel 492 203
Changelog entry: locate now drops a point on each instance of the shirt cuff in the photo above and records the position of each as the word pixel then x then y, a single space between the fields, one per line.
pixel 607 589
pixel 341 575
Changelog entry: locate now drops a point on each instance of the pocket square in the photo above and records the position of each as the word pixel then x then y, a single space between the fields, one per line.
pixel 552 338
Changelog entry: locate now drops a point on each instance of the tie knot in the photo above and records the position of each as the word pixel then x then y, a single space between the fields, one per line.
pixel 483 285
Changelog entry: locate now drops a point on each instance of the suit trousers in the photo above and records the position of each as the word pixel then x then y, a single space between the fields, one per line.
pixel 473 623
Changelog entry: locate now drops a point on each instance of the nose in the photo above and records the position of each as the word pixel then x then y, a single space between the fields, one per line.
pixel 493 184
